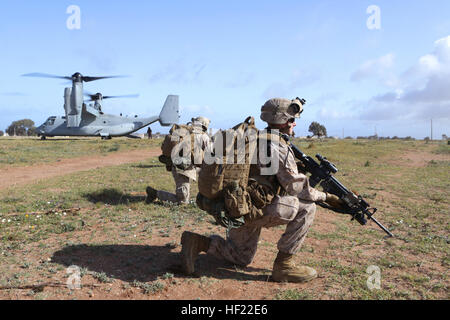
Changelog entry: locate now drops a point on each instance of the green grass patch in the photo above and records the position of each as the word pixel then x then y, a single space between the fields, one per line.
pixel 28 151
pixel 412 202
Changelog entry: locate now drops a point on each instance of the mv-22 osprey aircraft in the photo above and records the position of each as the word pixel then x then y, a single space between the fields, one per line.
pixel 83 119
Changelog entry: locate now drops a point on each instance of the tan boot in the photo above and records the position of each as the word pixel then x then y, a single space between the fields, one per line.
pixel 192 245
pixel 284 269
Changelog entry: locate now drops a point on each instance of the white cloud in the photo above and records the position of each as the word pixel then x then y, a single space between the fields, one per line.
pixel 422 91
pixel 442 49
pixel 429 62
pixel 332 113
pixel 380 69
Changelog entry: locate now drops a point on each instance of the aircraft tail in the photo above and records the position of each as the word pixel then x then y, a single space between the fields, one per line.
pixel 170 112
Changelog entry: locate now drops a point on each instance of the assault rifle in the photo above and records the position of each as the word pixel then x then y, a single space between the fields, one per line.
pixel 322 173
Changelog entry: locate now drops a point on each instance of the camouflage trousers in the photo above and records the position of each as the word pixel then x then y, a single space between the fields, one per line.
pixel 240 246
pixel 182 191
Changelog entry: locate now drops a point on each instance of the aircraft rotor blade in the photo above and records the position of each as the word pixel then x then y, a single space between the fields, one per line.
pixel 89 79
pixel 88 94
pixel 123 96
pixel 45 75
pixel 94 97
pixel 74 77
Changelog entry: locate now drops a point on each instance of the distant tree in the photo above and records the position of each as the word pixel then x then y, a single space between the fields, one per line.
pixel 32 131
pixel 314 128
pixel 21 128
pixel 317 129
pixel 1 133
pixel 324 131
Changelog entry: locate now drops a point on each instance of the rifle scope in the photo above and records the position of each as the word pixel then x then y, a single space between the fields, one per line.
pixel 327 164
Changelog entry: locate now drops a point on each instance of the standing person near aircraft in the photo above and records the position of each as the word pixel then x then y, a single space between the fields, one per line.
pixel 195 134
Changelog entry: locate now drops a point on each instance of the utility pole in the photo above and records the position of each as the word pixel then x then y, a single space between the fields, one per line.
pixel 431 130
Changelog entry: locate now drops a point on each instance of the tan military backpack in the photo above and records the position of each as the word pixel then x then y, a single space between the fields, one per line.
pixel 178 134
pixel 224 187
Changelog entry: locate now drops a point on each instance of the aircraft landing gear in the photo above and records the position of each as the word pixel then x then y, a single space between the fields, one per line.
pixel 43 138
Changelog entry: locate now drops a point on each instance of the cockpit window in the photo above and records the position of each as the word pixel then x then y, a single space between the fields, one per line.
pixel 50 121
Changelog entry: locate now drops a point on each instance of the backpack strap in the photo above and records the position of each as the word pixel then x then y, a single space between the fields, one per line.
pixel 250 121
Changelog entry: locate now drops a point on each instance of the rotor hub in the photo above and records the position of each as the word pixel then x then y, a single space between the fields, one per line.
pixel 77 77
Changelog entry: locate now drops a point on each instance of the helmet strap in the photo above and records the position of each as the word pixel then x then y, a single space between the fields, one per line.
pixel 279 126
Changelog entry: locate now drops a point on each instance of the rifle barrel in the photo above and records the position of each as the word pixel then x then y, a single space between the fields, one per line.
pixel 381 226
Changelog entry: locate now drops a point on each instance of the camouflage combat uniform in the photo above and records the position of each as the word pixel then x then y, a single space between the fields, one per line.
pixel 184 178
pixel 293 205
pixel 296 209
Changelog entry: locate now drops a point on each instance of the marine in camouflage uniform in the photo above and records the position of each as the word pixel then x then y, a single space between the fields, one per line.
pixel 184 177
pixel 294 207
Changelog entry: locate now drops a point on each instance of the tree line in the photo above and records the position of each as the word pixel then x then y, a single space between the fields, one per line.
pixel 24 127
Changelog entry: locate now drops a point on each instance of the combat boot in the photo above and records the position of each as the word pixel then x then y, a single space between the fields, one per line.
pixel 152 194
pixel 192 245
pixel 284 269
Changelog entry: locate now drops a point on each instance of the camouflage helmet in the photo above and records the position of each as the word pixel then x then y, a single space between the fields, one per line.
pixel 201 121
pixel 279 110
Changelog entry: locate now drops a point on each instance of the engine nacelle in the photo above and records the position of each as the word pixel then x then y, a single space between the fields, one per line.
pixel 73 103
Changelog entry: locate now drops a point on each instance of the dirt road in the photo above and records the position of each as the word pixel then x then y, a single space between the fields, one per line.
pixel 22 175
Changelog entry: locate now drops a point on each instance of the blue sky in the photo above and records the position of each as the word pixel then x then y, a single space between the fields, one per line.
pixel 226 58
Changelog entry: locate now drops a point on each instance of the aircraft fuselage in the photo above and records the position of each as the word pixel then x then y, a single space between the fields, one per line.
pixel 97 125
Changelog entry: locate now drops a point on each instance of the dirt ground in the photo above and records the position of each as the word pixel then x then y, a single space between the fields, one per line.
pixel 416 159
pixel 159 258
pixel 21 175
